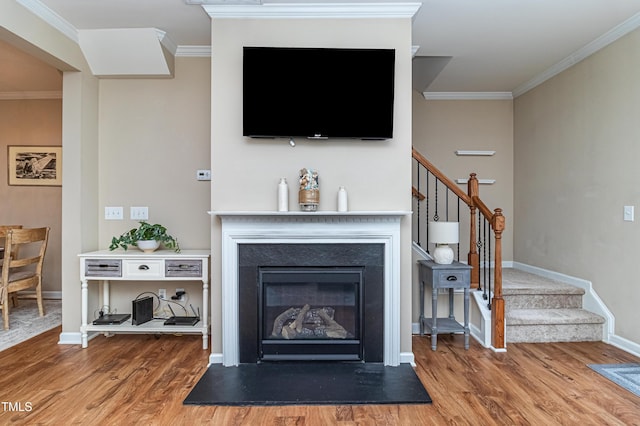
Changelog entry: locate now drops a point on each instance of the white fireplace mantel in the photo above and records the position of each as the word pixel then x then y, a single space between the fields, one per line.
pixel 271 227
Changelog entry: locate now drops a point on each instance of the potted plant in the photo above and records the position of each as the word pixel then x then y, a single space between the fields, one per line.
pixel 146 237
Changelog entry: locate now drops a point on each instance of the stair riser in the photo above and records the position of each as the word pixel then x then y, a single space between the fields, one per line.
pixel 554 333
pixel 542 301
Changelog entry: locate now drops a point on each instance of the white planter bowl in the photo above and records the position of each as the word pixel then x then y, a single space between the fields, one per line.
pixel 148 246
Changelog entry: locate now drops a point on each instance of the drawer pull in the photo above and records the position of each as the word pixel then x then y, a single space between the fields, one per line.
pixel 143 267
pixel 452 278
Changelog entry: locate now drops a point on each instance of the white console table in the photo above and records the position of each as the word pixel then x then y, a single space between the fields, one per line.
pixel 134 265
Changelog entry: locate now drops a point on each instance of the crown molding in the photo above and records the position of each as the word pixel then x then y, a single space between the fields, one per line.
pixel 584 52
pixel 166 41
pixel 51 18
pixel 11 96
pixel 313 10
pixel 194 51
pixel 222 2
pixel 467 96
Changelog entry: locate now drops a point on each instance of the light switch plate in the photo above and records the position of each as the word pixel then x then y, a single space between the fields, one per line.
pixel 628 213
pixel 139 213
pixel 113 213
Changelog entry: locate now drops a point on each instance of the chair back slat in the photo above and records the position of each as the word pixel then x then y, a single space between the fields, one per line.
pixel 3 235
pixel 6 228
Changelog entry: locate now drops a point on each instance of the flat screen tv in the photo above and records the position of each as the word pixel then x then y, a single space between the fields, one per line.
pixel 318 92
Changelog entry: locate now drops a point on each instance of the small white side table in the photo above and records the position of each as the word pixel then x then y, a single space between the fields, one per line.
pixel 134 265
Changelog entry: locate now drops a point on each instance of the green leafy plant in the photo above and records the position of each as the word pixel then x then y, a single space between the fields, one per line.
pixel 144 232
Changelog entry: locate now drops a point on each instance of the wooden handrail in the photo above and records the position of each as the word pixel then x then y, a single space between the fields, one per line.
pixel 482 207
pixel 417 194
pixel 441 176
pixel 497 222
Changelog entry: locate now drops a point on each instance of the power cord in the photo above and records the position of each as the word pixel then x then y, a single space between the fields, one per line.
pixel 102 311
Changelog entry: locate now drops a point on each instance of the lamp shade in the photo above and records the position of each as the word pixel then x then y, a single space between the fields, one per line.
pixel 443 232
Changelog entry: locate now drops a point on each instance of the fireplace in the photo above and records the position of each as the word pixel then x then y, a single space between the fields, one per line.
pixel 310 314
pixel 313 287
pixel 253 243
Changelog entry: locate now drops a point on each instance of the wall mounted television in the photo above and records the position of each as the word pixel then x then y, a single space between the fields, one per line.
pixel 318 93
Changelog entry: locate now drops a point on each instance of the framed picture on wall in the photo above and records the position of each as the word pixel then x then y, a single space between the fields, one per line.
pixel 35 165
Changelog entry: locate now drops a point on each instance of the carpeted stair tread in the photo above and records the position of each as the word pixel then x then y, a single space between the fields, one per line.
pixel 545 333
pixel 515 282
pixel 552 316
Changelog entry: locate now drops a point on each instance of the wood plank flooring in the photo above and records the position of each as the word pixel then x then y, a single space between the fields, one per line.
pixel 142 380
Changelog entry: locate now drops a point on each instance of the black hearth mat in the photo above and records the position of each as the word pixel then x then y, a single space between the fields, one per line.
pixel 308 383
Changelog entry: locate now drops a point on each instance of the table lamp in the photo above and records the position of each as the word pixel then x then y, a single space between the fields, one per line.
pixel 442 234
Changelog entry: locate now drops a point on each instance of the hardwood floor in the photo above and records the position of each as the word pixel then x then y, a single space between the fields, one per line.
pixel 129 379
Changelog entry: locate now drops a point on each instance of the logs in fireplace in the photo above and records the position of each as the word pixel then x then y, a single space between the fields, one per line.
pixel 307 323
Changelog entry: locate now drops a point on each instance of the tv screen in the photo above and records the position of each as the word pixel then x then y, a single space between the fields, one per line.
pixel 318 93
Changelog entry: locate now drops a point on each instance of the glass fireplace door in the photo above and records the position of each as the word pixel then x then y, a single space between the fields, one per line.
pixel 310 314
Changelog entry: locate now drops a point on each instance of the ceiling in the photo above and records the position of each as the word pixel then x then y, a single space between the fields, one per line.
pixel 469 45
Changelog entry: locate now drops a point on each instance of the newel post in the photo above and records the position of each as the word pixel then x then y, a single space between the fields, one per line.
pixel 473 258
pixel 497 303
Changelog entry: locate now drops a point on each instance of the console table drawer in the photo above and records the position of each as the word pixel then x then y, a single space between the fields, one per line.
pixel 143 269
pixel 183 268
pixel 451 278
pixel 103 268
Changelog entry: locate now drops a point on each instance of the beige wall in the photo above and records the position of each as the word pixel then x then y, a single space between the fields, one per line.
pixel 246 171
pixel 576 162
pixel 441 127
pixel 33 122
pixel 154 135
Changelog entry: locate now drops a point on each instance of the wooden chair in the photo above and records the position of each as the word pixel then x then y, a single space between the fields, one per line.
pixel 3 235
pixel 23 270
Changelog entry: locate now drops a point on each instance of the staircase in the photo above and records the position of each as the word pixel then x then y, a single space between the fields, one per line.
pixel 525 306
pixel 538 309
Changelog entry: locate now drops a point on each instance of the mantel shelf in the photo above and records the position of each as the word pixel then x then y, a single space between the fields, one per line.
pixel 267 213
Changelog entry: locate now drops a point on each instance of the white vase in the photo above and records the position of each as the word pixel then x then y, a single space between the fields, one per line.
pixel 342 199
pixel 283 195
pixel 148 246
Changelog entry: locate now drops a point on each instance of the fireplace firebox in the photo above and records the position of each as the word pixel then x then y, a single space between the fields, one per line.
pixel 310 314
pixel 300 302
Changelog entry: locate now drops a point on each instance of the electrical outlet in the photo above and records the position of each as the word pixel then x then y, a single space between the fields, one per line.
pixel 162 293
pixel 113 213
pixel 203 174
pixel 139 213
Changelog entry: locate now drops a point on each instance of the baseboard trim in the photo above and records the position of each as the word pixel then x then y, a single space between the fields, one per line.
pixel 215 358
pixel 625 344
pixel 415 328
pixel 407 358
pixel 49 295
pixel 75 338
pixel 70 339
